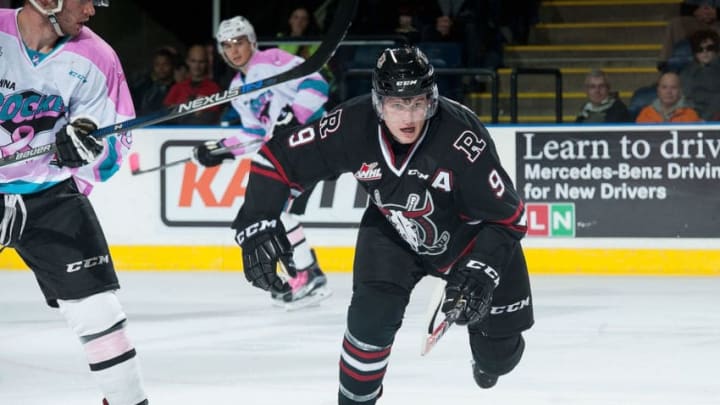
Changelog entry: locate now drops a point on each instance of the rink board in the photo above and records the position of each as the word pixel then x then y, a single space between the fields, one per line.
pixel 615 200
pixel 624 262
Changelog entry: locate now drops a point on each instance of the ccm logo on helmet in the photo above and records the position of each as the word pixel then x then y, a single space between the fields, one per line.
pixel 405 82
pixel 255 228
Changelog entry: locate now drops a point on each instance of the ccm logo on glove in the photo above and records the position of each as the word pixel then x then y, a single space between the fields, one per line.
pixel 489 271
pixel 253 229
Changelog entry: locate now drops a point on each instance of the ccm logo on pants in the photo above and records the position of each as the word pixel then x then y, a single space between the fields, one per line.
pixel 87 263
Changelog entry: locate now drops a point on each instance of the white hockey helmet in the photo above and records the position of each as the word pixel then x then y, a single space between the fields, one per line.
pixel 232 28
pixel 51 12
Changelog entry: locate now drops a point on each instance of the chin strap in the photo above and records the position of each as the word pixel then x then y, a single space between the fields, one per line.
pixel 51 15
pixel 55 25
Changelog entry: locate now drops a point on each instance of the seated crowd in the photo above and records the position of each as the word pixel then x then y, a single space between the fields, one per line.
pixel 687 88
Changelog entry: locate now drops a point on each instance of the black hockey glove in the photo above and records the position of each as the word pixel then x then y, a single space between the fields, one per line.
pixel 286 122
pixel 75 146
pixel 263 244
pixel 287 118
pixel 212 153
pixel 470 287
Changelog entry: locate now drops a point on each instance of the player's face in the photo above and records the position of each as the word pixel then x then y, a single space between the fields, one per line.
pixel 238 51
pixel 74 15
pixel 405 117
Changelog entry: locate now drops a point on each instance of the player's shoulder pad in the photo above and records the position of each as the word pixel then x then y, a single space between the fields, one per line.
pixel 458 118
pixel 464 132
pixel 460 114
pixel 354 118
pixel 355 112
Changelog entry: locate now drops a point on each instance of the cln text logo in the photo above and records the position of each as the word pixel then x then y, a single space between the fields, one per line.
pixel 551 219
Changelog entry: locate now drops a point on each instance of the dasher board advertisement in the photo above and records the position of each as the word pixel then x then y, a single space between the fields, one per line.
pixel 193 195
pixel 620 183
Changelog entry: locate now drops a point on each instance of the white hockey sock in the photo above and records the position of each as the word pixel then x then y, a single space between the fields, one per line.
pixel 114 366
pixel 302 256
pixel 100 323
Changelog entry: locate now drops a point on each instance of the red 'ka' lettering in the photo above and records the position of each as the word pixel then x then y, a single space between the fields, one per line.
pixel 199 180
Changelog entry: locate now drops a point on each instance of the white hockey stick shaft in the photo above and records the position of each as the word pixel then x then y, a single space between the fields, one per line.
pixel 245 148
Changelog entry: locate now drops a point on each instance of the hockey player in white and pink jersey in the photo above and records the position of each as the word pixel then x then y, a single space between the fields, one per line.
pixel 59 81
pixel 263 114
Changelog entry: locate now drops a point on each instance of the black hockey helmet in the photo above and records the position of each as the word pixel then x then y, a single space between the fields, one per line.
pixel 403 72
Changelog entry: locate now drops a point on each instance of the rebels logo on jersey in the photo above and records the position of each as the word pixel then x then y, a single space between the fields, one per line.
pixel 414 225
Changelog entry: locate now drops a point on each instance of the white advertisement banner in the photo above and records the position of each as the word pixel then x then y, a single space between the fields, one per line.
pixel 187 204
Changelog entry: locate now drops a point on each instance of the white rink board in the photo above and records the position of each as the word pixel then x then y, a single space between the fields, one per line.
pixel 136 210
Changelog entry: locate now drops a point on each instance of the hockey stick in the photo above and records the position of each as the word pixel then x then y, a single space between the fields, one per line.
pixel 434 333
pixel 134 158
pixel 134 162
pixel 336 32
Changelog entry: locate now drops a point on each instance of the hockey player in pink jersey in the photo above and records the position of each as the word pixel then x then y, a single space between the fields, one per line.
pixel 61 81
pixel 264 114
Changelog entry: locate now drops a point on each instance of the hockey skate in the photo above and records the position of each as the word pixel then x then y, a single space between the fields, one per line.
pixel 105 402
pixel 483 379
pixel 308 288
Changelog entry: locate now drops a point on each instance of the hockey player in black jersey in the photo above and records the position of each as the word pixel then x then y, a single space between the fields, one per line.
pixel 441 204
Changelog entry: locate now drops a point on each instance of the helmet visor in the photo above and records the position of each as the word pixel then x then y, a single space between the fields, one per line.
pixel 412 108
pixel 405 109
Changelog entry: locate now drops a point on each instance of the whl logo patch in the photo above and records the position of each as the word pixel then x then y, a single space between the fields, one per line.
pixel 368 172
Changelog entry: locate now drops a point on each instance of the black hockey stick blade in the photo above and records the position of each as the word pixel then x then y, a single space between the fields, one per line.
pixel 336 33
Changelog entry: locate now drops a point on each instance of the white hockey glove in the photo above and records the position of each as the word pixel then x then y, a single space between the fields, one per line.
pixel 209 153
pixel 263 244
pixel 470 287
pixel 12 218
pixel 75 146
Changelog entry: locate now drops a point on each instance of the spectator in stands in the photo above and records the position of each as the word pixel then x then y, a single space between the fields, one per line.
pixel 218 70
pixel 701 79
pixel 695 15
pixel 407 24
pixel 302 25
pixel 182 72
pixel 473 23
pixel 516 18
pixel 198 84
pixel 149 89
pixel 463 19
pixel 670 104
pixel 602 105
pixel 442 31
